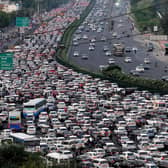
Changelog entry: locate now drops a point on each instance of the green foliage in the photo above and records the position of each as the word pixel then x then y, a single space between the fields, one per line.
pixel 14 156
pixel 164 23
pixel 113 67
pixel 4 19
pixel 126 80
pixel 146 18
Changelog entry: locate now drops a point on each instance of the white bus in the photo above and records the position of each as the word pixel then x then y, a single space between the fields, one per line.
pixel 35 106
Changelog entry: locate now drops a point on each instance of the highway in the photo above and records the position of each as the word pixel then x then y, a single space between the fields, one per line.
pixel 97 26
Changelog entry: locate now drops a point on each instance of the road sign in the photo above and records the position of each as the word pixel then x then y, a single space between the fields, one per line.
pixel 155 28
pixel 22 21
pixel 6 61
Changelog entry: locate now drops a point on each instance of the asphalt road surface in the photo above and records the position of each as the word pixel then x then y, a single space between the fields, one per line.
pixel 122 26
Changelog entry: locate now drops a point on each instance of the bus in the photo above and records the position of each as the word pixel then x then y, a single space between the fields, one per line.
pixel 25 139
pixel 35 106
pixel 14 120
pixel 118 49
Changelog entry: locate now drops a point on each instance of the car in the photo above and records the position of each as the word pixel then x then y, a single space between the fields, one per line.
pixel 85 164
pixel 134 73
pixel 108 53
pixel 146 67
pixel 147 61
pixel 85 56
pixel 103 38
pixel 91 48
pixel 166 68
pixel 105 48
pixel 114 34
pixel 128 59
pixel 102 67
pixel 31 129
pixel 93 40
pixel 164 78
pixel 75 43
pixel 113 159
pixel 100 152
pixel 128 49
pixel 101 163
pixel 150 46
pixel 127 155
pixel 85 36
pixel 150 165
pixel 129 145
pixel 76 54
pixel 111 61
pixel 140 68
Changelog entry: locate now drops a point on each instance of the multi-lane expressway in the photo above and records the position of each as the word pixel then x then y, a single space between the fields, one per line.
pixel 97 25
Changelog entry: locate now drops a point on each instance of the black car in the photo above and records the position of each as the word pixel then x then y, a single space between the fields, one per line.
pixel 128 49
pixel 113 159
pixel 86 164
pixel 166 68
pixel 165 78
pixel 150 47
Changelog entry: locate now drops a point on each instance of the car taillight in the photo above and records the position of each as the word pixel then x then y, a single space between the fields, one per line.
pixel 162 158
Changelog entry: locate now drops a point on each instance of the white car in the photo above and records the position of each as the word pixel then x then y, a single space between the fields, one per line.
pixel 114 34
pixel 128 155
pixel 91 48
pixel 102 67
pixel 147 61
pixel 85 36
pixel 128 59
pixel 108 53
pixel 85 56
pixel 93 40
pixel 76 54
pixel 111 61
pixel 140 68
pixel 61 155
pixel 31 130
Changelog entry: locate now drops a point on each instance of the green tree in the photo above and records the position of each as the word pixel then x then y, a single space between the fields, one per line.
pixel 14 156
pixel 4 19
pixel 164 23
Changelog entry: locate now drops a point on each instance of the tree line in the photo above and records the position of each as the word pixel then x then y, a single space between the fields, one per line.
pixel 148 18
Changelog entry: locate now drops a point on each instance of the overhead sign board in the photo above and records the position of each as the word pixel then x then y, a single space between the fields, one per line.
pixel 22 21
pixel 6 61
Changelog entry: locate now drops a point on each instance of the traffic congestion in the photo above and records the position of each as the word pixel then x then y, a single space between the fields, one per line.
pixel 67 115
pixel 108 33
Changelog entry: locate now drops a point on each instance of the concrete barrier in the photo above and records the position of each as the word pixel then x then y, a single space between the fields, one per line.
pixel 158 37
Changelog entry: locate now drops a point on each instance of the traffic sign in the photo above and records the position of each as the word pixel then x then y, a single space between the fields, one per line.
pixel 22 21
pixel 6 61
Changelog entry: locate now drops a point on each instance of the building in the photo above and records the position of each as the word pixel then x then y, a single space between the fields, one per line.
pixel 7 6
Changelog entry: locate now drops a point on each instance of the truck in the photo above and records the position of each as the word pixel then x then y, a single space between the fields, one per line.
pixel 118 49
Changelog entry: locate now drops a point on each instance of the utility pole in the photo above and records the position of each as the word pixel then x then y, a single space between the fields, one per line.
pixel 38 7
